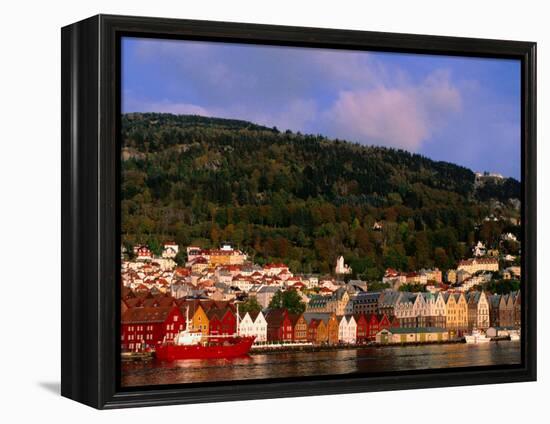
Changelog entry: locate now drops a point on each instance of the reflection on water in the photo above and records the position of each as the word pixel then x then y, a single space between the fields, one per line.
pixel 344 361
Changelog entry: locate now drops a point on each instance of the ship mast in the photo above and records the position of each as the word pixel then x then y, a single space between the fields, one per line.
pixel 187 318
pixel 238 321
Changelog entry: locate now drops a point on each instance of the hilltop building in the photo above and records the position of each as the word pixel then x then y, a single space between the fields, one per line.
pixel 341 267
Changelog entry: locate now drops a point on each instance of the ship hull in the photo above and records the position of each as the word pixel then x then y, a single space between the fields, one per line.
pixel 172 352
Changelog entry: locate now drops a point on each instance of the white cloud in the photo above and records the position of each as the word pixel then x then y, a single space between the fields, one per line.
pixel 403 117
pixel 343 94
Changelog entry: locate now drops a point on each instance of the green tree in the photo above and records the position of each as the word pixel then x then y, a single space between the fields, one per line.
pixel 377 286
pixel 414 288
pixel 290 300
pixel 251 305
pixel 181 257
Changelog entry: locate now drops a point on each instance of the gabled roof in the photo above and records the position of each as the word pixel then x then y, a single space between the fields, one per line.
pixel 146 315
pixel 269 289
pixel 318 301
pixel 126 293
pixel 133 302
pixel 294 318
pixel 159 301
pixel 372 296
pixel 254 315
pixel 275 317
pixel 320 316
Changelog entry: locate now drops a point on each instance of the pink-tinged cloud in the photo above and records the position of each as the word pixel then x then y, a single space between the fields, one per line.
pixel 381 116
pixel 402 117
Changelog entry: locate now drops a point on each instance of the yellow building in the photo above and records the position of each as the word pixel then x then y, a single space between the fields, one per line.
pixel 321 335
pixel 462 312
pixel 450 311
pixel 226 256
pixel 478 264
pixel 456 313
pixel 200 321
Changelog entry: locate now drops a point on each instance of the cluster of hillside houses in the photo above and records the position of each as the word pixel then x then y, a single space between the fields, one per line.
pixel 157 295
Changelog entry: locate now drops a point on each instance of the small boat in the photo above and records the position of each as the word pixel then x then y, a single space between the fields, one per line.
pixel 515 335
pixel 477 337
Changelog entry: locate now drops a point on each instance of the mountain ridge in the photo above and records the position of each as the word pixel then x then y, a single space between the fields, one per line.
pixel 203 179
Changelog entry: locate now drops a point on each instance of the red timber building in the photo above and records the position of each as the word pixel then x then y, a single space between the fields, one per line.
pixel 222 322
pixel 146 327
pixel 379 322
pixel 279 326
pixel 362 335
pixel 369 325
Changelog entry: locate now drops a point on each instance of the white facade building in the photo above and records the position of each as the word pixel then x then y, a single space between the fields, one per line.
pixel 341 267
pixel 347 330
pixel 254 324
pixel 170 250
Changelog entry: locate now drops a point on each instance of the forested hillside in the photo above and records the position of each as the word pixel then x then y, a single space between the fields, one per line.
pixel 301 199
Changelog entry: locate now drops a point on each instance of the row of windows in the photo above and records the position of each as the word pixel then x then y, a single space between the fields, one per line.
pixel 137 337
pixel 251 329
pixel 173 327
pixel 140 328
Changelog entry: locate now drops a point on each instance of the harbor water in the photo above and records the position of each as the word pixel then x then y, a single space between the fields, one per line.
pixel 339 361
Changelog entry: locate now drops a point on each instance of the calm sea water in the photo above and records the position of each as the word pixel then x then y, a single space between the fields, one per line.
pixel 344 361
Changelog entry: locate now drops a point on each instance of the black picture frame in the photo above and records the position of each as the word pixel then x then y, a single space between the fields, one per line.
pixel 90 213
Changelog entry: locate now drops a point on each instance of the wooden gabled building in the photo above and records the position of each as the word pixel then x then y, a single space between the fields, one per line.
pixel 317 331
pixel 146 327
pixel 299 327
pixel 279 325
pixel 362 335
pixel 330 325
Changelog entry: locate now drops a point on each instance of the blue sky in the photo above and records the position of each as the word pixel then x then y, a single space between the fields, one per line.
pixel 461 110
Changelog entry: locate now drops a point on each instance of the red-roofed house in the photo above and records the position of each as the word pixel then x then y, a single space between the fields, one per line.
pixel 143 253
pixel 144 327
pixel 279 326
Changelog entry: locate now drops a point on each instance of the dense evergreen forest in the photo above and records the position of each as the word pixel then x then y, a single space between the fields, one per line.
pixel 301 199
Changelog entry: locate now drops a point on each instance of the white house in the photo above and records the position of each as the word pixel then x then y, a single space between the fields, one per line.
pixel 478 310
pixel 254 324
pixel 440 307
pixel 170 250
pixel 411 309
pixel 404 311
pixel 509 237
pixel 347 329
pixel 479 249
pixel 243 283
pixel 275 269
pixel 420 307
pixel 310 281
pixel 246 325
pixel 394 278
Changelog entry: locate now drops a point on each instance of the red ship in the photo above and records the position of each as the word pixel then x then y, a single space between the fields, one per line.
pixel 230 347
pixel 194 345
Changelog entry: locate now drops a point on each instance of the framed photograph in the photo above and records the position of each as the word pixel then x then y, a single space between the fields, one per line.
pixel 254 211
